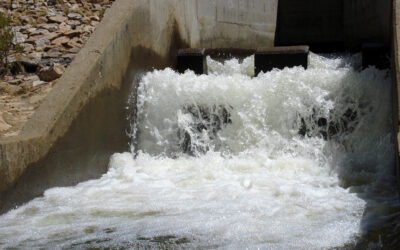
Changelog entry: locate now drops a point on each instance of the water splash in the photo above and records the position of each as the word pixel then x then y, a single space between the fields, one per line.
pixel 220 161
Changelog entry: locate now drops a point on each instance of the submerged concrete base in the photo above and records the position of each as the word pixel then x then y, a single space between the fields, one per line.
pixel 265 59
pixel 192 59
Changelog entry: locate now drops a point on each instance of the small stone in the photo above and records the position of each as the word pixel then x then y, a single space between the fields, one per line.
pixel 95 18
pixel 73 33
pixel 31 30
pixel 33 58
pixel 16 28
pixel 37 83
pixel 19 38
pixel 88 29
pixel 57 19
pixel 41 19
pixel 73 23
pixel 32 39
pixel 85 19
pixel 15 6
pixel 26 47
pixel 38 32
pixel 15 81
pixel 69 56
pixel 42 42
pixel 26 19
pixel 94 23
pixel 53 53
pixel 74 50
pixel 60 41
pixel 74 8
pixel 96 7
pixel 49 26
pixel 51 2
pixel 63 27
pixel 74 16
pixel 52 36
pixel 31 78
pixel 51 73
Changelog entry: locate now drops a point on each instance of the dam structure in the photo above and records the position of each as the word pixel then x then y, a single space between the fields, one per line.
pixel 215 124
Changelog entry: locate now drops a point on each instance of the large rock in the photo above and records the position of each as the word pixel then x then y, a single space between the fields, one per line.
pixel 49 74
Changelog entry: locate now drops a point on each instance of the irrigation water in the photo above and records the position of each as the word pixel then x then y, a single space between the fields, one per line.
pixel 290 159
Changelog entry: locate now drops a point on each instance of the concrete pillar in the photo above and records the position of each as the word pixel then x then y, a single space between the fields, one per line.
pixel 266 59
pixel 193 59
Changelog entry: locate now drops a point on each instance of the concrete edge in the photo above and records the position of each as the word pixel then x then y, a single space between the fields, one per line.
pixel 395 81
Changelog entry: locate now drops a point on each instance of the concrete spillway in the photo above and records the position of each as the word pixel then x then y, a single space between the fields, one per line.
pixel 226 191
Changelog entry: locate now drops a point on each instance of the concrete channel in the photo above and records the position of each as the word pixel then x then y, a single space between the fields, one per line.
pixel 82 121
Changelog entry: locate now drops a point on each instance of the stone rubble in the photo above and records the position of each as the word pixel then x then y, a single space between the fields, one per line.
pixel 48 34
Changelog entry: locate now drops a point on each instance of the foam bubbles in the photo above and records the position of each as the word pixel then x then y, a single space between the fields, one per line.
pixel 220 162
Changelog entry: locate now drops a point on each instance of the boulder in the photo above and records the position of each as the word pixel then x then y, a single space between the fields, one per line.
pixel 49 74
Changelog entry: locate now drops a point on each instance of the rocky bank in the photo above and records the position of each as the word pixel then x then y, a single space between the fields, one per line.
pixel 47 34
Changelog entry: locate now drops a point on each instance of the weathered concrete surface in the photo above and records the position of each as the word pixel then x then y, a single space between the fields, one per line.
pixel 158 26
pixel 250 22
pixel 332 24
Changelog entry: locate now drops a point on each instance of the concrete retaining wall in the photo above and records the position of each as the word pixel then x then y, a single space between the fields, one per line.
pixel 396 78
pixel 333 24
pixel 158 26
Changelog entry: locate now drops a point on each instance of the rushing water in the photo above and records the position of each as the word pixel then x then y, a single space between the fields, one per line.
pixel 291 159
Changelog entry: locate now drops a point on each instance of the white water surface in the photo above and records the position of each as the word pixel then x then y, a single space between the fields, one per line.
pixel 254 182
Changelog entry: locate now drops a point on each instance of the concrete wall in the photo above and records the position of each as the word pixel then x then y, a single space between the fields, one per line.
pixel 396 78
pixel 333 23
pixel 151 25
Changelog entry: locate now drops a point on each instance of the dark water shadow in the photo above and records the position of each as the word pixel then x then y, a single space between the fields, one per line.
pixel 83 152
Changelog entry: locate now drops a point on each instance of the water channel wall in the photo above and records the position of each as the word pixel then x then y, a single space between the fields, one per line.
pixel 395 65
pixel 128 27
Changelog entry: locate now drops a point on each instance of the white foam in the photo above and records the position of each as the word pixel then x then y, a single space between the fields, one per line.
pixel 255 182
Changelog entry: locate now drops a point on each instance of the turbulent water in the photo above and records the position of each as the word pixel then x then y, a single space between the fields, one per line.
pixel 290 159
